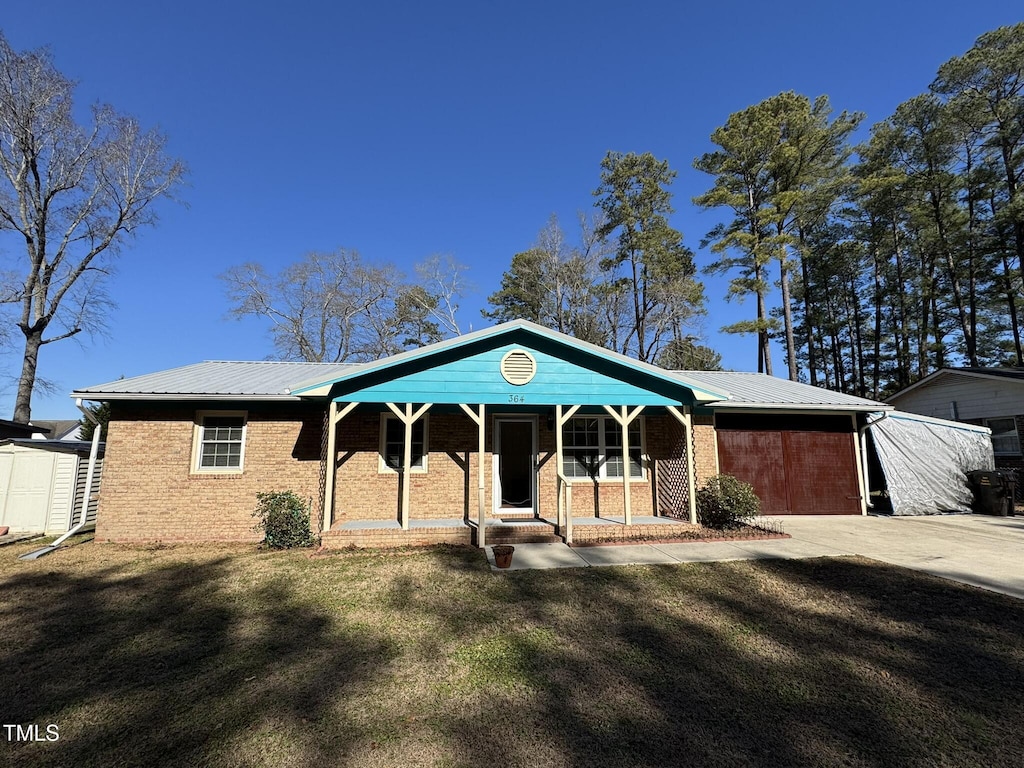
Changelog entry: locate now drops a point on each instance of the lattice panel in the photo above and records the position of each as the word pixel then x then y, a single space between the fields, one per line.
pixel 673 488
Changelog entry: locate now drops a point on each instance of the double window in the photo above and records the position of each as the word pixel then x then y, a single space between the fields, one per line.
pixel 392 444
pixel 592 448
pixel 220 442
pixel 1004 436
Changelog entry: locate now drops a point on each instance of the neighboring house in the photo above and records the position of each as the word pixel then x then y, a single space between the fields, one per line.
pixel 990 397
pixel 64 429
pixel 42 484
pixel 514 424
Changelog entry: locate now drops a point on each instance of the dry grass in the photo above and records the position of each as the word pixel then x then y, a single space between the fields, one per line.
pixel 225 656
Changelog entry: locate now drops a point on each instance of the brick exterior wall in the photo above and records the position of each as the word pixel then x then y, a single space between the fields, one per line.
pixel 149 492
pixel 705 454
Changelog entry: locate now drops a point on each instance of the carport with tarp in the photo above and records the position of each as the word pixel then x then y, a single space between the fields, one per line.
pixel 925 461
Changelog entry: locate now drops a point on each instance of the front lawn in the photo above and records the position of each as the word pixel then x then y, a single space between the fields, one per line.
pixel 227 656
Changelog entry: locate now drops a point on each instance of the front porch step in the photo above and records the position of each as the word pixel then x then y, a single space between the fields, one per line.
pixel 515 532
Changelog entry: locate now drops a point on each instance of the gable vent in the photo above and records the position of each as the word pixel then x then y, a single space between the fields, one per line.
pixel 518 367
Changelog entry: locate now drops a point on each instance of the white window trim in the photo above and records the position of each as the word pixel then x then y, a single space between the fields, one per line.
pixel 382 465
pixel 602 477
pixel 197 444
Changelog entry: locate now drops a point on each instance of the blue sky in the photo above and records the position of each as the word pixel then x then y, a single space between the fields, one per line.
pixel 405 129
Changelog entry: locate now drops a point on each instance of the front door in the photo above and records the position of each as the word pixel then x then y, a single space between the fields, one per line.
pixel 515 465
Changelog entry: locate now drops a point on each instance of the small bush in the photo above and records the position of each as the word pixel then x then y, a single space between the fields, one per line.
pixel 725 502
pixel 284 520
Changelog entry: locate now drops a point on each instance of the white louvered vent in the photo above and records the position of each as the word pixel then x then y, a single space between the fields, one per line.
pixel 518 367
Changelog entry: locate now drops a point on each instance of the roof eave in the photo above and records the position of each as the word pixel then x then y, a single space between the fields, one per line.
pixel 851 407
pixel 178 397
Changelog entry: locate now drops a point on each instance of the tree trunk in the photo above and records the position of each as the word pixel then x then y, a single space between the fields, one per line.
pixel 876 364
pixel 787 316
pixel 1011 305
pixel 27 381
pixel 764 355
pixel 812 362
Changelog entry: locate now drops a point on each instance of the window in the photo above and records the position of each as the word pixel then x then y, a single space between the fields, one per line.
pixel 220 442
pixel 392 444
pixel 592 448
pixel 1004 436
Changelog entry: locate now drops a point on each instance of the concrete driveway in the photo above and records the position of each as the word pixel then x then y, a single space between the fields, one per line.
pixel 986 552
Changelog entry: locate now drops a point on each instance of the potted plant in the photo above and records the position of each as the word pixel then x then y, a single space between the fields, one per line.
pixel 503 555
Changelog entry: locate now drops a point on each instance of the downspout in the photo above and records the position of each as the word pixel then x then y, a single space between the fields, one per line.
pixel 87 492
pixel 863 435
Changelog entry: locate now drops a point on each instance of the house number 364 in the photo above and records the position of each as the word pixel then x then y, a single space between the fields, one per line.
pixel 517 398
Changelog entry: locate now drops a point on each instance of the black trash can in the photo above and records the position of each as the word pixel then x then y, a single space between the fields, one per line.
pixel 1010 478
pixel 993 492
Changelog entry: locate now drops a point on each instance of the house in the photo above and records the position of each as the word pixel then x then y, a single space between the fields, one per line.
pixel 990 397
pixel 59 429
pixel 43 484
pixel 514 427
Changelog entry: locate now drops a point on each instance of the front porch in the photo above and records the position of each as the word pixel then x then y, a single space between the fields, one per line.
pixel 586 531
pixel 503 424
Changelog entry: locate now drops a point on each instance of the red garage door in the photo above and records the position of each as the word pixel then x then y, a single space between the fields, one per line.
pixel 810 469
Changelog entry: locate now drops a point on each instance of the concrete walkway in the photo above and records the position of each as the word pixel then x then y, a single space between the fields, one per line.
pixel 986 552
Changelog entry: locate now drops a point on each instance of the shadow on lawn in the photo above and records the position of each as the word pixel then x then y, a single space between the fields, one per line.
pixel 168 668
pixel 822 662
pixel 851 664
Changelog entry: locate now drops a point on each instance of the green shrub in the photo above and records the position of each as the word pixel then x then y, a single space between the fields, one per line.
pixel 725 502
pixel 284 520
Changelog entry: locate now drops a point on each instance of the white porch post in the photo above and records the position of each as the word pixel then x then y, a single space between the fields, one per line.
pixel 479 417
pixel 408 418
pixel 559 466
pixel 564 512
pixel 859 452
pixel 686 419
pixel 334 416
pixel 624 417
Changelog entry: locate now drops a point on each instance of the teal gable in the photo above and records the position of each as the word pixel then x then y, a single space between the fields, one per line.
pixel 468 369
pixel 478 379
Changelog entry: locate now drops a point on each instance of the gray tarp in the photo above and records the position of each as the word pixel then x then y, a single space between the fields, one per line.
pixel 925 461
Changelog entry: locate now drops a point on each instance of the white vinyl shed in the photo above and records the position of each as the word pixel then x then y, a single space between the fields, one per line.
pixel 42 484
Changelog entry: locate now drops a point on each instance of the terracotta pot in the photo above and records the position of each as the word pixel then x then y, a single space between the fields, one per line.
pixel 503 555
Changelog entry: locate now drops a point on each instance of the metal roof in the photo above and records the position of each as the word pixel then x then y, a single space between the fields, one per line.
pixel 214 380
pixel 266 380
pixel 759 390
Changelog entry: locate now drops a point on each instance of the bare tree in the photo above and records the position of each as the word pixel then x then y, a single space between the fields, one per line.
pixel 70 194
pixel 333 307
pixel 443 283
pixel 559 285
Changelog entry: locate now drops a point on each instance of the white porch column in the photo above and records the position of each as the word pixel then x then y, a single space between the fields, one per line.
pixel 686 419
pixel 408 418
pixel 334 416
pixel 625 417
pixel 479 417
pixel 564 512
pixel 859 453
